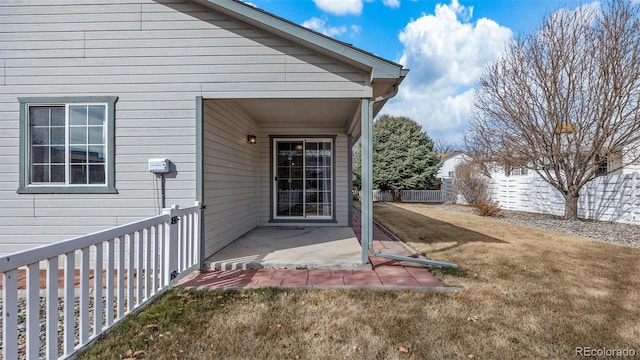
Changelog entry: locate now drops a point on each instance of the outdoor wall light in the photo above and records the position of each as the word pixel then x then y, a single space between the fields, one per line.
pixel 252 139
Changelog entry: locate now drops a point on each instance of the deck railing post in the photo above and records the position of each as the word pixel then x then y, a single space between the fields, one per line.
pixel 10 314
pixel 171 250
pixel 198 233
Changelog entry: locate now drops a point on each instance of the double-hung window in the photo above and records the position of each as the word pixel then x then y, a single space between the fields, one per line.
pixel 67 145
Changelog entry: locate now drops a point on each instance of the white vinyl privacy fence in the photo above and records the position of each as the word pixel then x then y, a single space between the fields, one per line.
pixel 92 282
pixel 607 198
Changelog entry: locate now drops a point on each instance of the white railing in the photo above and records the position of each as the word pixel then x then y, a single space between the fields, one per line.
pixel 92 282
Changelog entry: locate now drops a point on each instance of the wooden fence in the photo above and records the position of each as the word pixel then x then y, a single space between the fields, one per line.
pixel 117 271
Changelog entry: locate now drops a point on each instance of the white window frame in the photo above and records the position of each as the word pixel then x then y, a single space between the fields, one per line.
pixel 516 171
pixel 521 171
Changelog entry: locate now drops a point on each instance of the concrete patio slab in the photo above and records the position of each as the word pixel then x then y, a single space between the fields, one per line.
pixel 291 247
pixel 385 274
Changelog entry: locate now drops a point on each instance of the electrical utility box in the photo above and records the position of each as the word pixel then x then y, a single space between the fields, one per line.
pixel 159 166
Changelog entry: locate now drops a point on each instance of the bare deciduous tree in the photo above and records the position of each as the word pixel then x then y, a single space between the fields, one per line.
pixel 565 99
pixel 470 183
pixel 442 146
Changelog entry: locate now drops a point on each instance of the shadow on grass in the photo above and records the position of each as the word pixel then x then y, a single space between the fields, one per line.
pixel 561 290
pixel 417 228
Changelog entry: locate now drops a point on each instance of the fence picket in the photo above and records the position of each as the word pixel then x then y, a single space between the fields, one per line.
pixel 153 262
pixel 121 276
pixel 84 295
pixel 147 262
pixel 51 337
pixel 97 290
pixel 33 311
pixel 130 269
pixel 139 265
pixel 110 273
pixel 69 300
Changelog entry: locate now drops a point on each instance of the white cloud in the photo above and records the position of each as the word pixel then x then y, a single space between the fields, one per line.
pixel 391 3
pixel 250 3
pixel 349 7
pixel 445 53
pixel 321 26
pixel 355 29
pixel 340 7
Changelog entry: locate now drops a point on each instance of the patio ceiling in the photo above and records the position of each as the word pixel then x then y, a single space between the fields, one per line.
pixel 329 113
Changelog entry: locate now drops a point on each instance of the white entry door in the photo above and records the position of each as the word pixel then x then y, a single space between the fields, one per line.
pixel 303 185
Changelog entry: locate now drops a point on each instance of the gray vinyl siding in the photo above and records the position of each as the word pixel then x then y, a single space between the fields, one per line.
pixel 156 57
pixel 230 174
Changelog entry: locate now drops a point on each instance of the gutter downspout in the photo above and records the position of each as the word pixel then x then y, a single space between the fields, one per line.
pixel 368 207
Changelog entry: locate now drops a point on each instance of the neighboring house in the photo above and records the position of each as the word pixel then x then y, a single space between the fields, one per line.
pixel 256 114
pixel 449 161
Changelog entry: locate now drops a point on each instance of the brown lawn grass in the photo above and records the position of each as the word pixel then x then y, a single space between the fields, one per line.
pixel 528 293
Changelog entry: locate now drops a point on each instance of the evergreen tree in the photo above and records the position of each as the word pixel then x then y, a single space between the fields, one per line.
pixel 403 156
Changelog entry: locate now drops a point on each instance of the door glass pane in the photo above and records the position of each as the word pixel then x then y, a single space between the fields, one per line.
pixel 318 176
pixel 289 180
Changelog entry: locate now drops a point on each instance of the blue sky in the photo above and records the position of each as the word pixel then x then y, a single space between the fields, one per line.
pixel 444 44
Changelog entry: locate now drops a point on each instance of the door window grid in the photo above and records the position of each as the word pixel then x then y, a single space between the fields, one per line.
pixel 290 178
pixel 318 178
pixel 304 183
pixel 82 161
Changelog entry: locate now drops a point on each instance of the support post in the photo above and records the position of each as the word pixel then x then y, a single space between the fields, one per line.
pixel 350 180
pixel 366 195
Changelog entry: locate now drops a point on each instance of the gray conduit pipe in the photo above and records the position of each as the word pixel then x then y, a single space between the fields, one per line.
pixel 421 259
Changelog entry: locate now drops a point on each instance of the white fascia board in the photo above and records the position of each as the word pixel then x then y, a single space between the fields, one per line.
pixel 380 68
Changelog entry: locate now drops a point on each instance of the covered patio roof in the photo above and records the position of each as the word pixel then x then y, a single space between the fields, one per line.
pixel 357 86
